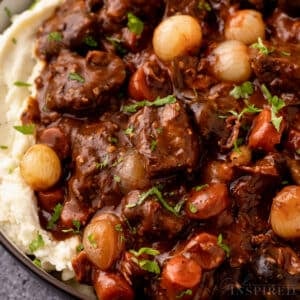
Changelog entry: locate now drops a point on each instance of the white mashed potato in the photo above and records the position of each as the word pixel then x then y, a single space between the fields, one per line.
pixel 19 220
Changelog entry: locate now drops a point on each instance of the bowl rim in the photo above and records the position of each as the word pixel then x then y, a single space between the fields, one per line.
pixel 40 273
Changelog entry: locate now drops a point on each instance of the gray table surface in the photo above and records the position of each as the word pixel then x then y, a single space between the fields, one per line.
pixel 16 282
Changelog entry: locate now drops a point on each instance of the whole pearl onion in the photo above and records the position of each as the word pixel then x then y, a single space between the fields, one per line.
pixel 245 26
pixel 176 36
pixel 231 61
pixel 285 213
pixel 40 167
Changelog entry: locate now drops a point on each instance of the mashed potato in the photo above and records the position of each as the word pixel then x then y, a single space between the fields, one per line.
pixel 19 219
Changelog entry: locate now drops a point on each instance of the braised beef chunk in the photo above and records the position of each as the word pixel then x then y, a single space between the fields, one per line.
pixel 70 27
pixel 73 83
pixel 164 136
pixel 94 153
pixel 280 70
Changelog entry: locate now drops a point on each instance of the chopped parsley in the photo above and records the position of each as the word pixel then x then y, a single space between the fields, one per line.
pixel 77 226
pixel 76 77
pixel 203 5
pixel 223 246
pixel 193 209
pixel 113 140
pixel 154 191
pixel 118 227
pixel 102 164
pixel 153 145
pixel 242 91
pixel 149 266
pixel 249 109
pixel 117 45
pixel 285 53
pixel 261 47
pixel 36 244
pixel 92 240
pixel 90 41
pixel 22 84
pixel 236 144
pixel 298 151
pixel 26 129
pixel 79 248
pixel 8 12
pixel 158 102
pixel 187 292
pixel 135 24
pixel 55 216
pixel 117 178
pixel 129 131
pixel 200 187
pixel 276 104
pixel 145 250
pixel 14 40
pixel 3 147
pixel 55 36
pixel 37 262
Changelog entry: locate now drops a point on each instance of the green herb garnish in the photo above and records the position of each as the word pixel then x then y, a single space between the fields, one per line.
pixel 90 41
pixel 14 40
pixel 193 209
pixel 188 292
pixel 158 102
pixel 77 226
pixel 261 47
pixel 117 178
pixel 117 45
pixel 284 53
pixel 223 246
pixel 276 104
pixel 92 240
pixel 113 140
pixel 242 91
pixel 135 24
pixel 118 227
pixel 77 77
pixel 8 12
pixel 22 84
pixel 37 262
pixel 55 36
pixel 102 164
pixel 154 191
pixel 203 5
pixel 200 187
pixel 79 248
pixel 3 147
pixel 55 216
pixel 129 131
pixel 33 4
pixel 153 145
pixel 36 244
pixel 149 266
pixel 145 250
pixel 236 144
pixel 26 129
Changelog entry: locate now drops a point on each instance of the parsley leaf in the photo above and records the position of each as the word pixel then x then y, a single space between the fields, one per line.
pixel 77 226
pixel 37 243
pixel 102 164
pixel 79 248
pixel 90 41
pixel 200 187
pixel 149 265
pixel 276 104
pixel 3 147
pixel 118 227
pixel 117 178
pixel 25 129
pixel 223 246
pixel 242 91
pixel 261 47
pixel 129 131
pixel 153 145
pixel 204 5
pixel 154 191
pixel 145 250
pixel 135 24
pixel 249 109
pixel 55 36
pixel 37 262
pixel 158 102
pixel 117 45
pixel 92 240
pixel 285 53
pixel 75 76
pixel 193 209
pixel 8 12
pixel 14 40
pixel 22 83
pixel 188 292
pixel 55 216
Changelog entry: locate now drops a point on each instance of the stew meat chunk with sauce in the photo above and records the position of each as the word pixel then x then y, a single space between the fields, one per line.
pixel 173 132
